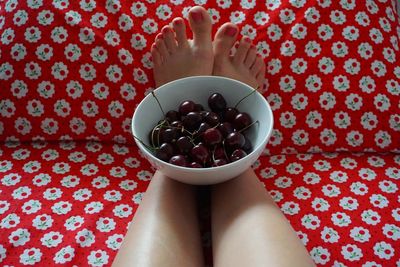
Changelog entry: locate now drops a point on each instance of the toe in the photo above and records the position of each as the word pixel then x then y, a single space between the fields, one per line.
pixel 251 56
pixel 169 39
pixel 180 32
pixel 200 23
pixel 261 77
pixel 224 39
pixel 255 69
pixel 242 50
pixel 155 55
pixel 162 48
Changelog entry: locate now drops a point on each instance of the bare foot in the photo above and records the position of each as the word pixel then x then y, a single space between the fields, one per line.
pixel 245 66
pixel 175 57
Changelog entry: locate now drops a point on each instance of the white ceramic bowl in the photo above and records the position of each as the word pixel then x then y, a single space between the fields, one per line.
pixel 198 89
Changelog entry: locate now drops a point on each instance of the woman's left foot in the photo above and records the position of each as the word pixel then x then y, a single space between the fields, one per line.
pixel 175 57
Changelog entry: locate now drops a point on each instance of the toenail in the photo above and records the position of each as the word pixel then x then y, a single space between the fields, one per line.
pixel 197 16
pixel 247 40
pixel 230 31
pixel 165 30
pixel 178 22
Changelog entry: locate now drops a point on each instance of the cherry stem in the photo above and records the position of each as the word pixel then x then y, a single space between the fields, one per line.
pixel 151 148
pixel 159 104
pixel 252 92
pixel 158 134
pixel 248 126
pixel 223 144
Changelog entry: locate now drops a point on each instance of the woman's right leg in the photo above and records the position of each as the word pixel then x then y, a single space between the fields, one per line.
pixel 248 229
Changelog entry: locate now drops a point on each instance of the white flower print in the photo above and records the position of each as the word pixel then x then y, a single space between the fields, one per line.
pixel 21 154
pixel 163 12
pixel 113 6
pixel 378 201
pixel 122 211
pixel 18 52
pixel 287 119
pixel 19 237
pixel 362 18
pixel 313 49
pixel 312 15
pixel 70 181
pixel 275 101
pixel 337 17
pixel 98 258
pixel 74 222
pixel 138 9
pixel 298 65
pixel 42 222
pixel 342 120
pixel 354 138
pixel 21 192
pixel 6 71
pixel 366 174
pixel 348 203
pixel 35 108
pixel 103 126
pixel 340 219
pixel 100 182
pixel 314 119
pixel 32 70
pixel 125 56
pixel 287 16
pixel 138 42
pixel 236 17
pixel 114 73
pixel 329 235
pixel 51 239
pixel 31 206
pixel 125 22
pixel 128 91
pixel 388 186
pixel 45 17
pixel 359 188
pixel 272 4
pixel 311 178
pixel 287 83
pixel 61 208
pixel 351 33
pixel 52 193
pixel 59 70
pixel 325 32
pixel 354 102
pixel 30 256
pixel 41 179
pixel 351 252
pixel 320 255
pixel 73 18
pixel 114 241
pixel 44 52
pixel 326 65
pixel 352 66
pixel 382 139
pixel 7 36
pixel 77 125
pixel 299 101
pixel 369 120
pixel 260 17
pixel 327 100
pixel 99 20
pixel 310 221
pixel 331 190
pixel 378 68
pixel 376 161
pixel 65 254
pixel 105 224
pixel 302 193
pixel 360 234
pixel 376 35
pixel 33 34
pixel 72 52
pixel 381 102
pixel 112 38
pixel 94 207
pixel 320 204
pixel 288 48
pixel 383 250
pixel 20 17
pixel 367 84
pixel 338 176
pixel 290 208
pixel 391 231
pixel 274 32
pixel 82 194
pixel 283 182
pixel 370 217
pixel 85 238
pixel 150 26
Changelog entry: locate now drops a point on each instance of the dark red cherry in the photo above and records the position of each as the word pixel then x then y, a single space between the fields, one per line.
pixel 202 128
pixel 238 154
pixel 165 152
pixel 225 128
pixel 211 118
pixel 200 154
pixel 212 137
pixel 173 115
pixel 219 162
pixel 230 114
pixel 242 120
pixel 192 120
pixel 219 153
pixel 235 140
pixel 216 102
pixel 155 136
pixel 184 145
pixel 168 135
pixel 198 107
pixel 186 107
pixel 195 165
pixel 178 160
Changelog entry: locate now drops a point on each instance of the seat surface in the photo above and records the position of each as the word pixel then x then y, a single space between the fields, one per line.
pixel 72 203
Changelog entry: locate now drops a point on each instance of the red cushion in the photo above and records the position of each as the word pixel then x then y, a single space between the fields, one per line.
pixel 77 69
pixel 78 198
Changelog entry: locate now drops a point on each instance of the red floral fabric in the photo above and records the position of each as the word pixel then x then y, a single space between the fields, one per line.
pixel 77 69
pixel 71 203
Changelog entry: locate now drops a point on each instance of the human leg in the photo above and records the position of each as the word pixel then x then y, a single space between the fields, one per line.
pixel 248 229
pixel 165 230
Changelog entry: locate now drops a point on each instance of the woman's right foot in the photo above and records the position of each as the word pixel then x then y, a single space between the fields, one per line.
pixel 245 65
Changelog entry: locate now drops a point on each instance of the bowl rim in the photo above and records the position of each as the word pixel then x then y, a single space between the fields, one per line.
pixel 199 170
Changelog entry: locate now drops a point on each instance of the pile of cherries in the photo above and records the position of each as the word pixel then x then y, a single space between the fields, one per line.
pixel 195 138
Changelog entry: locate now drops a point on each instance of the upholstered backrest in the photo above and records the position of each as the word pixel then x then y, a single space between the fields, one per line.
pixel 77 69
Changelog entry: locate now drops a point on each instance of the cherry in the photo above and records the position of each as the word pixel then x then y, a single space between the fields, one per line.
pixel 192 120
pixel 184 145
pixel 176 124
pixel 219 153
pixel 200 153
pixel 238 154
pixel 216 102
pixel 154 136
pixel 195 165
pixel 165 152
pixel 178 160
pixel 225 128
pixel 168 135
pixel 230 114
pixel 186 107
pixel 212 137
pixel 198 107
pixel 211 118
pixel 203 127
pixel 235 140
pixel 241 121
pixel 219 162
pixel 172 115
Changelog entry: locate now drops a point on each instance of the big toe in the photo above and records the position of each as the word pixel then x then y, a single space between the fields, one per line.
pixel 224 39
pixel 200 23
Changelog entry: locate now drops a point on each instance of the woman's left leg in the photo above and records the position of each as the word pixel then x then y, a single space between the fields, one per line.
pixel 165 230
